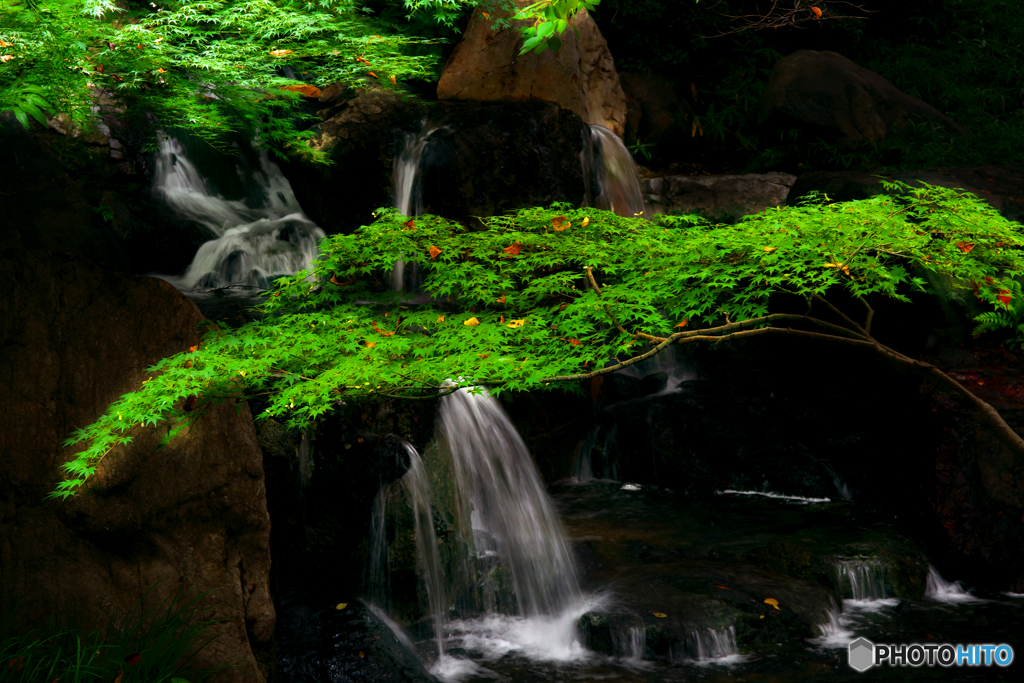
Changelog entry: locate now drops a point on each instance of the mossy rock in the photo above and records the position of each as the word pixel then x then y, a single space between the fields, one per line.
pixel 906 576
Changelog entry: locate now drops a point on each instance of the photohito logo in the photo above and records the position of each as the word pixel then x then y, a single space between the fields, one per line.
pixel 864 654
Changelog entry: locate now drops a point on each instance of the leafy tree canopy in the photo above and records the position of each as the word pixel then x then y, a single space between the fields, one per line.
pixel 214 66
pixel 544 297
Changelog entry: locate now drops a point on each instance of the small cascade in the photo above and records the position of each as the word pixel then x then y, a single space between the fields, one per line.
pixel 407 185
pixel 709 645
pixel 632 643
pixel 937 588
pixel 616 181
pixel 862 579
pixel 512 513
pixel 416 486
pixel 417 490
pixel 251 245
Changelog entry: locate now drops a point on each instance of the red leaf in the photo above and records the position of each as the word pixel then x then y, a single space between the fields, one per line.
pixel 816 12
pixel 133 658
pixel 513 249
pixel 1004 298
pixel 965 247
pixel 411 224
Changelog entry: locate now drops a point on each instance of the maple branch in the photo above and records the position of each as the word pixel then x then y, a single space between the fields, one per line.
pixel 802 12
pixel 620 328
pixel 871 314
pixel 846 318
pixel 984 412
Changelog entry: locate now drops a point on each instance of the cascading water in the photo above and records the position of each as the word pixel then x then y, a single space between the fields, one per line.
pixel 416 485
pixel 251 244
pixel 407 182
pixel 714 644
pixel 509 503
pixel 417 489
pixel 865 578
pixel 616 181
pixel 937 588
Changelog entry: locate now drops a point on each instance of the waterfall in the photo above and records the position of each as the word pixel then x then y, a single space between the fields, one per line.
pixel 937 588
pixel 251 244
pixel 715 643
pixel 615 176
pixel 407 182
pixel 866 578
pixel 416 486
pixel 509 503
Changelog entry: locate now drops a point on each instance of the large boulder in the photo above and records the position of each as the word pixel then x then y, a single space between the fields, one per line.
pixel 826 92
pixel 362 133
pixel 192 515
pixel 718 198
pixel 580 76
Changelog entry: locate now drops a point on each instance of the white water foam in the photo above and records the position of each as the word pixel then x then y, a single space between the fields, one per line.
pixel 778 496
pixel 251 244
pixel 940 590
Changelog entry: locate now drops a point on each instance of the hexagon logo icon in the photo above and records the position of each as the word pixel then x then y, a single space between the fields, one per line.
pixel 862 654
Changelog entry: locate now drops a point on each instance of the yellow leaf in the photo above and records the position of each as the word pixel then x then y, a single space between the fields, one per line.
pixel 516 323
pixel 394 81
pixel 560 223
pixel 440 319
pixel 472 321
pixel 660 615
pixel 370 345
pixel 341 605
pixel 762 616
pixel 586 222
pixel 280 53
pixel 770 249
pixel 773 602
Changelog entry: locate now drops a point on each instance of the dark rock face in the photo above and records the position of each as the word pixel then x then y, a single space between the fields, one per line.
pixel 485 158
pixel 656 114
pixel 490 157
pixel 827 92
pixel 192 515
pixel 320 643
pixel 71 195
pixel 976 484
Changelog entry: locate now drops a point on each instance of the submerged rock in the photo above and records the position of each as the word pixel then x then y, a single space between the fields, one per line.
pixel 319 643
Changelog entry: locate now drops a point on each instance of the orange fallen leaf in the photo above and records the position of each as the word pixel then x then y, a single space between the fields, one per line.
pixel 161 71
pixel 394 81
pixel 816 12
pixel 472 322
pixel 485 15
pixel 682 324
pixel 361 654
pixel 434 251
pixel 660 615
pixel 501 300
pixel 770 249
pixel 139 46
pixel 193 348
pixel 483 355
pixel 409 224
pixel 117 78
pixel 440 319
pixel 965 247
pixel 118 679
pixel 773 602
pixel 722 587
pixel 502 319
pixel 280 53
pixel 560 223
pixel 307 90
pixel 513 249
pixel 372 74
pixel 370 345
pixel 99 68
pixel 360 58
